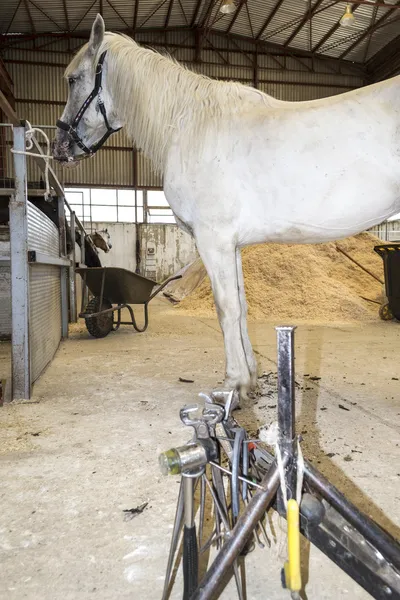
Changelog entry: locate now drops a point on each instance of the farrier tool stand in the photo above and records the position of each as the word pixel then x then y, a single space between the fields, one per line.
pixel 244 479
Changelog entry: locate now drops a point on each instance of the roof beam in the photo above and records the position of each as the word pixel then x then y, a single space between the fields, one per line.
pixel 269 19
pixel 183 12
pixel 8 42
pixel 8 110
pixel 66 15
pixel 386 62
pixel 117 13
pixel 235 16
pixel 196 13
pixel 6 82
pixel 135 15
pixel 370 30
pixel 372 23
pixel 167 18
pixel 45 14
pixel 13 16
pixel 33 28
pixel 86 12
pixel 207 14
pixel 307 17
pixel 249 19
pixel 153 12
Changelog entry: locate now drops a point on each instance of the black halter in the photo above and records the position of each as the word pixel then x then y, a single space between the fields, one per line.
pixel 71 129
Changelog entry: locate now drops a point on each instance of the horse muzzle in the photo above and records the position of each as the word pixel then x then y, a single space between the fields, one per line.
pixel 62 148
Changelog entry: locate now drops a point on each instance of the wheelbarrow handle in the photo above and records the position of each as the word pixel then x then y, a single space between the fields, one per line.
pixel 162 286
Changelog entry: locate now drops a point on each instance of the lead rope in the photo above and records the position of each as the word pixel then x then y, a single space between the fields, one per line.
pixel 29 133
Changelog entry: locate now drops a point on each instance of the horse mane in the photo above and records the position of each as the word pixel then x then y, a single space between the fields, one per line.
pixel 156 97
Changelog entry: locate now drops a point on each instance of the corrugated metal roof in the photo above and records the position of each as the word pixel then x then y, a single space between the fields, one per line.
pixel 281 22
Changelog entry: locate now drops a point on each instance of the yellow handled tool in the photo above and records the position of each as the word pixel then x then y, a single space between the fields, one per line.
pixel 292 566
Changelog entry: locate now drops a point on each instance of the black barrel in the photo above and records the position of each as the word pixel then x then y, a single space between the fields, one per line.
pixel 390 254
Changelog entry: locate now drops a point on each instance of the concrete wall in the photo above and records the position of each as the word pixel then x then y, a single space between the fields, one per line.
pixel 123 239
pixel 164 248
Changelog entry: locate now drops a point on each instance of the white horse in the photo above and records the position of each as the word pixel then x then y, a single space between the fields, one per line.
pixel 239 166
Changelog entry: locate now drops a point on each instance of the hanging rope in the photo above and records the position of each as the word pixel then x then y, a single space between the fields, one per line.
pixel 29 135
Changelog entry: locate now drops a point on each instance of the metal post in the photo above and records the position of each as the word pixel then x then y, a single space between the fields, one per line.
pixel 286 405
pixel 84 291
pixel 63 270
pixel 21 387
pixel 145 207
pixel 72 291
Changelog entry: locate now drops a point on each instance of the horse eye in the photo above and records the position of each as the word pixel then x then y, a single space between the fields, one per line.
pixel 71 80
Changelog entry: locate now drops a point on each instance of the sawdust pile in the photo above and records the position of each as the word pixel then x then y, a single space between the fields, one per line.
pixel 309 282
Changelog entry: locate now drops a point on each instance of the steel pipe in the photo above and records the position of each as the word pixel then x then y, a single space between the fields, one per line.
pixel 379 538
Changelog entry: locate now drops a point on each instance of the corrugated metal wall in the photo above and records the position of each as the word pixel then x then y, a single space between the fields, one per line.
pixel 41 92
pixel 389 231
pixel 44 292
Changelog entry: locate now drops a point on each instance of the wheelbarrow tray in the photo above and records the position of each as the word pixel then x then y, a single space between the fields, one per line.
pixel 120 285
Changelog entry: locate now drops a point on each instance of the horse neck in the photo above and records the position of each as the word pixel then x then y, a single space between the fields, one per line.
pixel 158 100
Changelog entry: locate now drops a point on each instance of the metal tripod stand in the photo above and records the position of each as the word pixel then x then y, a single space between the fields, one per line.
pixel 244 480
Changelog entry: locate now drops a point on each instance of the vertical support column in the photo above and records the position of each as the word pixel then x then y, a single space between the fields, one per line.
pixel 72 291
pixel 84 290
pixel 145 206
pixel 255 69
pixel 21 386
pixel 286 406
pixel 63 270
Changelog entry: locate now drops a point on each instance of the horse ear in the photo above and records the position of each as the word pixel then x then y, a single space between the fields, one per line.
pixel 97 34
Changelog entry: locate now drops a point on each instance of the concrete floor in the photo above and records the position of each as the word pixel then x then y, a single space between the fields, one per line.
pixel 85 448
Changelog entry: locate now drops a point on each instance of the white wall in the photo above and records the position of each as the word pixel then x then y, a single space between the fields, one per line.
pixel 164 250
pixel 123 239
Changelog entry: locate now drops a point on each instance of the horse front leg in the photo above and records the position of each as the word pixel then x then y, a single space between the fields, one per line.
pixel 220 263
pixel 250 358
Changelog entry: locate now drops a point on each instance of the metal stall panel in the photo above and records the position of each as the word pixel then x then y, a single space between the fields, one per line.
pixel 44 292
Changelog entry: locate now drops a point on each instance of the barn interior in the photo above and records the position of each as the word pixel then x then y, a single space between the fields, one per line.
pixel 88 406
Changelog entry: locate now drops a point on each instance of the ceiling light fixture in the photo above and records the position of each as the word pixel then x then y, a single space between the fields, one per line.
pixel 348 18
pixel 227 7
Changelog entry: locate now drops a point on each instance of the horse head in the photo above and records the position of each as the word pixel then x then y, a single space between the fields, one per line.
pixel 102 240
pixel 89 117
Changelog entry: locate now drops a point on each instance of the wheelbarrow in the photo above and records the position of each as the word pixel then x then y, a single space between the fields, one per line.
pixel 113 289
pixel 390 254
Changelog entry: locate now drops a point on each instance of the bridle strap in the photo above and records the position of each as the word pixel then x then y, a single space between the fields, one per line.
pixel 71 129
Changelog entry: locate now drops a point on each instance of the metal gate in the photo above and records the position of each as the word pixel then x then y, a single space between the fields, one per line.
pixel 44 290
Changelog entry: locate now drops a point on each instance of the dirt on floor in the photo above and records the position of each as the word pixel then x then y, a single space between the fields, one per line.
pixel 309 282
pixel 81 455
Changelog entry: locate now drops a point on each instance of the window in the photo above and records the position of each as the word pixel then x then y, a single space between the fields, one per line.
pixel 106 204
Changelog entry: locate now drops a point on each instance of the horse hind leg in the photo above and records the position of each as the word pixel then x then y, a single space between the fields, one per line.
pixel 220 263
pixel 250 358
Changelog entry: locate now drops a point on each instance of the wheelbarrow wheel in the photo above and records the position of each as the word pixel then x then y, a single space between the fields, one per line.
pixel 101 325
pixel 385 313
